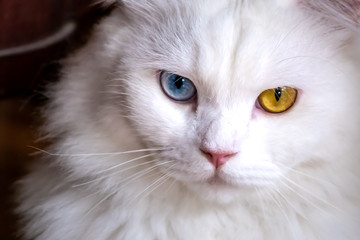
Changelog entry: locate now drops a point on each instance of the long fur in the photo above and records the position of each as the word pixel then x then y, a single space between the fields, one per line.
pixel 126 163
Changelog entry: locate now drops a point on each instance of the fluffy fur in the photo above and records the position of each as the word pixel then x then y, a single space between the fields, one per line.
pixel 295 174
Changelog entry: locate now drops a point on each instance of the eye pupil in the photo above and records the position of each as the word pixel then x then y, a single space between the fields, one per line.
pixel 179 82
pixel 277 93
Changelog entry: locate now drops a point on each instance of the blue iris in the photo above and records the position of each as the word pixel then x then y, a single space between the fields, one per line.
pixel 177 87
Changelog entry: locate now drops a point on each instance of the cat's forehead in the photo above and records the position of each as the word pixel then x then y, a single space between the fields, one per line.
pixel 245 47
pixel 226 45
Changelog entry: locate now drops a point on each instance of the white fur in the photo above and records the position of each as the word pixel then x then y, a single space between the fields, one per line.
pixel 295 175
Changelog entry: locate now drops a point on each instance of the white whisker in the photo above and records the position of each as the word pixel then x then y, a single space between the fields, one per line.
pixel 142 173
pixel 312 194
pixel 261 202
pixel 90 195
pixel 127 162
pixel 302 197
pixel 289 203
pixel 304 174
pixel 99 203
pixel 169 186
pixel 114 173
pixel 100 154
pixel 160 180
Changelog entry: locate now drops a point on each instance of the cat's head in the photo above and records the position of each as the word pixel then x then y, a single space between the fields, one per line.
pixel 243 92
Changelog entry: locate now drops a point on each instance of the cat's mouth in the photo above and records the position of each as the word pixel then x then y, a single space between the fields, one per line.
pixel 244 180
pixel 217 181
pixel 222 185
pixel 219 189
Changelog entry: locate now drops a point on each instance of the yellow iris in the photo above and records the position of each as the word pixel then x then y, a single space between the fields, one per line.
pixel 277 100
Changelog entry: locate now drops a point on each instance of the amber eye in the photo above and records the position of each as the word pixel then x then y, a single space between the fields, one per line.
pixel 277 100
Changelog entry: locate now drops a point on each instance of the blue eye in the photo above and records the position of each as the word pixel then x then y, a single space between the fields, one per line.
pixel 177 87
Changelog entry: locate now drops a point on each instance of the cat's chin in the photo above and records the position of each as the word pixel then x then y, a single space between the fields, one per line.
pixel 216 189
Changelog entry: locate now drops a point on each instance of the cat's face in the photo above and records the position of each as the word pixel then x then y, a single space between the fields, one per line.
pixel 193 74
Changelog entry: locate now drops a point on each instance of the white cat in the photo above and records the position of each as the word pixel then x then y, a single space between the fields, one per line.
pixel 205 119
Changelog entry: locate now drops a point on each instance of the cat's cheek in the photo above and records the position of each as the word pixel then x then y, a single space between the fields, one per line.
pixel 186 163
pixel 256 111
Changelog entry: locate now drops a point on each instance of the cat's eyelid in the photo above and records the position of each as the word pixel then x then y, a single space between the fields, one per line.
pixel 183 74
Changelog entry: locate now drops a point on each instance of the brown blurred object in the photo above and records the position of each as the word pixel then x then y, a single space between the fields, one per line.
pixel 35 33
pixel 34 36
pixel 23 24
pixel 17 131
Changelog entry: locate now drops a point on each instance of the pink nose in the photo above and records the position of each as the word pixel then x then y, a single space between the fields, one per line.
pixel 217 158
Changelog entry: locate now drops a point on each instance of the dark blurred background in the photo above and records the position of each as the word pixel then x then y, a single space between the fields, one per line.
pixel 34 36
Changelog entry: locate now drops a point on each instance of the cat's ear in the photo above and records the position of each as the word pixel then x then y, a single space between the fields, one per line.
pixel 106 3
pixel 129 3
pixel 336 13
pixel 135 6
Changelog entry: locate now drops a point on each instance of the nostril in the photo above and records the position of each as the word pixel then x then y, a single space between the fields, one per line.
pixel 217 157
pixel 206 153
